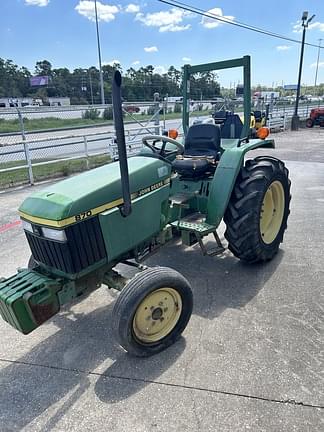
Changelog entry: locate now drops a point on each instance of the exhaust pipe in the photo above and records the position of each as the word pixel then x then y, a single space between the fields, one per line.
pixel 126 208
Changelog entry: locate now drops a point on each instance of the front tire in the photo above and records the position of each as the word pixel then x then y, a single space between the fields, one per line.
pixel 152 311
pixel 309 123
pixel 256 217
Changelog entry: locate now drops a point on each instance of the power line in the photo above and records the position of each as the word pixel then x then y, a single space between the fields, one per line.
pixel 207 14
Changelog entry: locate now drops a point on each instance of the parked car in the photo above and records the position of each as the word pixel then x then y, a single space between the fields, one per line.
pixel 131 109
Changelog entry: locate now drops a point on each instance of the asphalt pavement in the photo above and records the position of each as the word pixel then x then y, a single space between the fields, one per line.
pixel 251 358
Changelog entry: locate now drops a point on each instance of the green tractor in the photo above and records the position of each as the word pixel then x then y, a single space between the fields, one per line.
pixel 80 229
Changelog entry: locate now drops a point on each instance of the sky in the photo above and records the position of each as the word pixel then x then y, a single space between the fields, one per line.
pixel 139 33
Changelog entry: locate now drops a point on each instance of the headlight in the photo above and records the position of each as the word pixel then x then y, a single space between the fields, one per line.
pixel 27 226
pixel 53 234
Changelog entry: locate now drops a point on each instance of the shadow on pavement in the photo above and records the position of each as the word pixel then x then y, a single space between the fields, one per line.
pixel 139 369
pixel 83 342
pixel 218 282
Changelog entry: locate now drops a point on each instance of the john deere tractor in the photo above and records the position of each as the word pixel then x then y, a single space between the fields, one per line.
pixel 80 229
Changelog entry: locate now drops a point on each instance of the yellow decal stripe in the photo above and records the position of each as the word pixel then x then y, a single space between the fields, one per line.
pixel 77 218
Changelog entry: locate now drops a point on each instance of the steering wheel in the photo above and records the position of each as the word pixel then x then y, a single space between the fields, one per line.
pixel 161 151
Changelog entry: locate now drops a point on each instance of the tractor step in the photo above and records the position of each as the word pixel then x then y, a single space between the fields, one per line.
pixel 181 199
pixel 194 230
pixel 202 228
pixel 219 249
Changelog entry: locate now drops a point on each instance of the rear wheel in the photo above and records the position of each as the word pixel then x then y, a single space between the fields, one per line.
pixel 152 311
pixel 309 123
pixel 256 217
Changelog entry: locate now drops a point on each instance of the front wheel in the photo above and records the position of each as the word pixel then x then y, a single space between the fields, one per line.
pixel 256 217
pixel 309 123
pixel 152 311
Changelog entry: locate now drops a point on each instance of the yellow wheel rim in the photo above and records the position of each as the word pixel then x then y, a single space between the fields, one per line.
pixel 272 212
pixel 157 315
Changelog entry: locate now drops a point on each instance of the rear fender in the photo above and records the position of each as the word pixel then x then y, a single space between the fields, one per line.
pixel 226 174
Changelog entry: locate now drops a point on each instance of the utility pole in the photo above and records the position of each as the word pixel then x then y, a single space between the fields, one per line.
pixel 318 56
pixel 295 117
pixel 99 56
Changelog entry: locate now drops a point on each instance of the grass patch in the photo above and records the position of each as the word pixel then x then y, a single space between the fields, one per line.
pixel 48 171
pixel 7 126
pixel 173 116
pixel 11 164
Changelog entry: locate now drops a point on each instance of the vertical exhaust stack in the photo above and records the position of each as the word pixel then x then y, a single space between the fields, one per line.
pixel 121 144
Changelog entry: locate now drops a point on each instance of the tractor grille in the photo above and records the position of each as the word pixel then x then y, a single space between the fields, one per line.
pixel 84 247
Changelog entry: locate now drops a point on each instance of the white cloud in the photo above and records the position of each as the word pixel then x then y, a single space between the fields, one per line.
pixel 283 47
pixel 166 21
pixel 298 28
pixel 160 70
pixel 132 8
pixel 316 25
pixel 136 63
pixel 111 62
pixel 174 28
pixel 105 12
pixel 211 22
pixel 320 65
pixel 40 3
pixel 186 59
pixel 151 49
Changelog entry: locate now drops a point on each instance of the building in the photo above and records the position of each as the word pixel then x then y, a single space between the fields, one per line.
pixel 59 101
pixel 15 102
pixel 33 102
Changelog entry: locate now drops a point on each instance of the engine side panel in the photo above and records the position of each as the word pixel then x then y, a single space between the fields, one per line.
pixel 148 217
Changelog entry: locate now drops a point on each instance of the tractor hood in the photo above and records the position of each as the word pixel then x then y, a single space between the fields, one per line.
pixel 93 192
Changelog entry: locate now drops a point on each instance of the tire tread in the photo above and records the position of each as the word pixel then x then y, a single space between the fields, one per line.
pixel 242 215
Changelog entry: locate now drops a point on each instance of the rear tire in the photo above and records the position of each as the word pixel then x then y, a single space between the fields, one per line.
pixel 256 217
pixel 152 311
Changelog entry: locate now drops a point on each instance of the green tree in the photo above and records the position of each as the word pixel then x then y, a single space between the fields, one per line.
pixel 140 84
pixel 43 67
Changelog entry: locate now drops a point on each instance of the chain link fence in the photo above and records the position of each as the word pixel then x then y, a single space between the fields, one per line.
pixel 38 143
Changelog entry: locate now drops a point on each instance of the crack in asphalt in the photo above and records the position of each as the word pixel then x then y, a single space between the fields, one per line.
pixel 187 387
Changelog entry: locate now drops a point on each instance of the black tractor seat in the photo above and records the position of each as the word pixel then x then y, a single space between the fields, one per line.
pixel 201 151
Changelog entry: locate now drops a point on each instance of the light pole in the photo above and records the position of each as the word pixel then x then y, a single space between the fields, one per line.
pixel 295 117
pixel 318 56
pixel 99 55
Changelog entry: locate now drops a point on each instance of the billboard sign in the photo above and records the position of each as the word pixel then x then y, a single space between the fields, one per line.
pixel 290 87
pixel 39 81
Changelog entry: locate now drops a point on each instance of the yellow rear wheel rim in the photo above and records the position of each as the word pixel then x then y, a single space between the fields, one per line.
pixel 157 315
pixel 272 212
